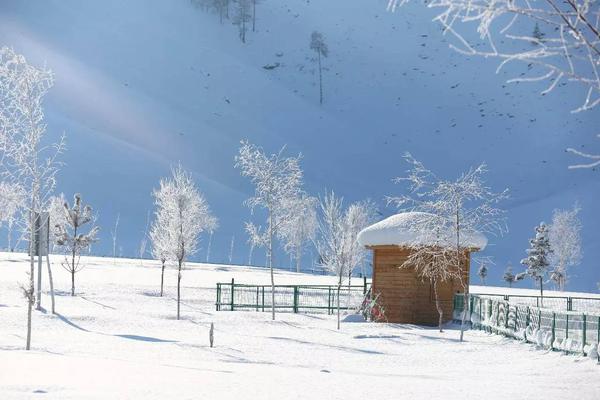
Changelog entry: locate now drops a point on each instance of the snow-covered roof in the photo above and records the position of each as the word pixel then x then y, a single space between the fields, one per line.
pixel 414 229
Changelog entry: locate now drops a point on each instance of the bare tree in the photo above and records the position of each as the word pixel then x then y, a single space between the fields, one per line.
pixel 12 197
pixel 569 48
pixel 231 249
pixel 186 215
pixel 565 242
pixel 26 160
pixel 113 235
pixel 243 15
pixel 459 210
pixel 256 238
pixel 144 241
pixel 318 45
pixel 70 238
pixel 337 243
pixel 276 179
pixel 299 228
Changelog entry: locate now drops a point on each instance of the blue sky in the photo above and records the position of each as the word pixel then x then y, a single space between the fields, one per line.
pixel 143 85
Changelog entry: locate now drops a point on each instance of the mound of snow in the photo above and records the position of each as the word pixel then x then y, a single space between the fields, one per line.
pixel 416 229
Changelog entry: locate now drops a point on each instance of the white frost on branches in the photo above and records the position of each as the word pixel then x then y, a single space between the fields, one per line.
pixel 276 180
pixel 538 256
pixel 299 226
pixel 451 209
pixel 556 40
pixel 565 241
pixel 25 158
pixel 594 159
pixel 12 197
pixel 182 214
pixel 338 228
pixel 71 239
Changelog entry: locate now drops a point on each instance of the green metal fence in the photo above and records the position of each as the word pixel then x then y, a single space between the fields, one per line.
pixel 559 303
pixel 556 329
pixel 292 298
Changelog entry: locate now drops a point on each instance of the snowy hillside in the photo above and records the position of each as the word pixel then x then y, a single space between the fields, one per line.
pixel 141 85
pixel 117 339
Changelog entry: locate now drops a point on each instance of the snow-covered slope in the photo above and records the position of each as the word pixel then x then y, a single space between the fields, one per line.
pixel 143 84
pixel 117 339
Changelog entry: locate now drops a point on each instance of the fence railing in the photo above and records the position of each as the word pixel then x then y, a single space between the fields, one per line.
pixel 553 328
pixel 292 298
pixel 559 303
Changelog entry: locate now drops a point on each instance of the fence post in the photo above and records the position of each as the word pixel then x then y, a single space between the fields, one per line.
pixel 257 293
pixel 364 285
pixel 232 285
pixel 506 318
pixel 329 300
pixel 584 334
pixel 567 328
pixel 553 330
pixel 263 299
pixel 218 296
pixel 295 299
pixel 471 301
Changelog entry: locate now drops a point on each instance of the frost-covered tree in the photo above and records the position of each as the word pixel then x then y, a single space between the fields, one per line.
pixel 186 215
pixel 276 179
pixel 114 235
pixel 159 232
pixel 565 242
pixel 242 16
pixel 318 45
pixel 231 245
pixel 482 272
pixel 509 277
pixel 299 227
pixel 256 238
pixel 70 238
pixel 254 3
pixel 27 161
pixel 12 197
pixel 457 209
pixel 359 215
pixel 337 244
pixel 144 240
pixel 568 51
pixel 538 256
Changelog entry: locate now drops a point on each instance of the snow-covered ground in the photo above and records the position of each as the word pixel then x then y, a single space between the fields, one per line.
pixel 116 339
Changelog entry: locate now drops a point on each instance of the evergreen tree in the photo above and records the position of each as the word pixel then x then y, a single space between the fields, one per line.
pixel 538 34
pixel 508 276
pixel 482 272
pixel 71 239
pixel 537 260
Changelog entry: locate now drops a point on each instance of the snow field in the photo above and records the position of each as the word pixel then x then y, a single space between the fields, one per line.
pixel 118 339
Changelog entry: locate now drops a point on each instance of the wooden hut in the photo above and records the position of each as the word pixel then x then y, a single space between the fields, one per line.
pixel 407 298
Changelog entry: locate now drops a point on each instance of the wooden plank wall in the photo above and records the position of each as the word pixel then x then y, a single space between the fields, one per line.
pixel 406 298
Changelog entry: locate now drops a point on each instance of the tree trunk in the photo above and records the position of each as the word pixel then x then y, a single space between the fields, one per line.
pixel 73 260
pixel 438 306
pixel 320 79
pixel 38 298
pixel 253 15
pixel 51 281
pixel 31 289
pixel 338 303
pixel 162 277
pixel 271 265
pixel 542 291
pixel 298 259
pixel 178 288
